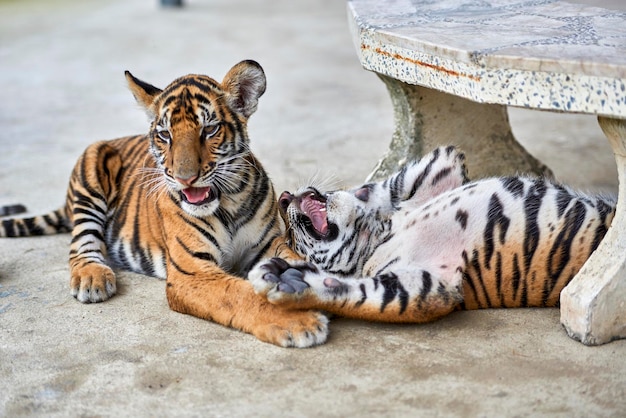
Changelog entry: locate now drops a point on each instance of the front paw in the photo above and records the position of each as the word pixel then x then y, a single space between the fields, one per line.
pixel 294 328
pixel 92 283
pixel 280 281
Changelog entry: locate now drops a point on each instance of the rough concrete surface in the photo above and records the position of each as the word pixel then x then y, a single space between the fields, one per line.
pixel 62 87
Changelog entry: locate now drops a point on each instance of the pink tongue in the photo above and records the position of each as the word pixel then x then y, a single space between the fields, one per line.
pixel 319 222
pixel 312 208
pixel 196 194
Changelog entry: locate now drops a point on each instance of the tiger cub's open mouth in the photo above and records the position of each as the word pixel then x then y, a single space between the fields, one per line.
pixel 313 205
pixel 198 195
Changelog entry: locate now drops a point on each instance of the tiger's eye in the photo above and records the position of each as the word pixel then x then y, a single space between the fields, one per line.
pixel 211 130
pixel 164 135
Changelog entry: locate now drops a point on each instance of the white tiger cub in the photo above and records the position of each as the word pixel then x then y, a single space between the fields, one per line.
pixel 425 242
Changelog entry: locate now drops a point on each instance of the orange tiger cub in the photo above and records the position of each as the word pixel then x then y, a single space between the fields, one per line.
pixel 187 202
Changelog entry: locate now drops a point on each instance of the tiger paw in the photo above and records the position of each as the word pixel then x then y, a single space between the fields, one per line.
pixel 282 282
pixel 300 329
pixel 92 283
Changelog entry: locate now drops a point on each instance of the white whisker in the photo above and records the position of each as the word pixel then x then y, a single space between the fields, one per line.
pixel 153 180
pixel 317 181
pixel 226 182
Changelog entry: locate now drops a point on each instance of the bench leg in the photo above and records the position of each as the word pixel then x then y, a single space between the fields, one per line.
pixel 593 305
pixel 426 119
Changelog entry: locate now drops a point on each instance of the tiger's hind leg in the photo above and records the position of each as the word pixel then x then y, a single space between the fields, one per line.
pixel 93 187
pixel 402 295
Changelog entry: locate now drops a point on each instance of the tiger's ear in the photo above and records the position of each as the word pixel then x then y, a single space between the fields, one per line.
pixel 144 93
pixel 244 84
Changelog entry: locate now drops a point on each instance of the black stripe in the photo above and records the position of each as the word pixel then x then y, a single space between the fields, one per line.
pixel 461 217
pixel 561 250
pixel 422 176
pixel 83 254
pixel 84 205
pixel 59 224
pixel 427 284
pixel 169 100
pixel 108 154
pixel 498 275
pixel 226 219
pixel 32 227
pixel 179 268
pixel 466 276
pixel 248 210
pixel 205 84
pixel 443 293
pixel 516 276
pixel 603 211
pixel 9 227
pixel 441 175
pixel 513 185
pixel 93 194
pixel 344 273
pixel 260 254
pixel 206 234
pixel 348 242
pixel 383 268
pixel 532 204
pixel 137 243
pixel 363 296
pixel 234 124
pixel 121 255
pixel 392 289
pixel 563 198
pixel 85 220
pixel 479 278
pixel 202 255
pixel 495 219
pixel 88 232
pixel 524 297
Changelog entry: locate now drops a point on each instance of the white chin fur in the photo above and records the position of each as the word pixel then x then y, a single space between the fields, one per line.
pixel 202 210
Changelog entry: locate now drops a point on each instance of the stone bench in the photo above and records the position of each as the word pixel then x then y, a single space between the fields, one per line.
pixel 452 68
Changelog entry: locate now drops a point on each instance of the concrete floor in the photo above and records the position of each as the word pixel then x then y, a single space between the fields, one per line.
pixel 62 87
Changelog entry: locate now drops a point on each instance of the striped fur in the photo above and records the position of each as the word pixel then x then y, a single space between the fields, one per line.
pixel 187 202
pixel 405 250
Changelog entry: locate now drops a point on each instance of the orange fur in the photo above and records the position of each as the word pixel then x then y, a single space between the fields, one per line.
pixel 187 202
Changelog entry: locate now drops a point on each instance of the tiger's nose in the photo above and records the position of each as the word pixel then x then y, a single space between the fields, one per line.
pixel 186 181
pixel 284 200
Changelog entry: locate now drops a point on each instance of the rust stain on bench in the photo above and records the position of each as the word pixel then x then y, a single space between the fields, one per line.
pixel 420 63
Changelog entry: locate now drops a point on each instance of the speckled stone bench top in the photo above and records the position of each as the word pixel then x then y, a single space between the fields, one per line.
pixel 541 54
